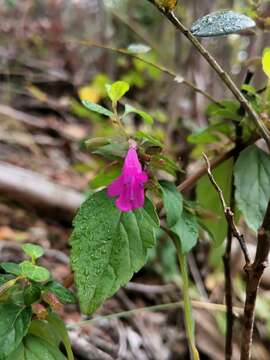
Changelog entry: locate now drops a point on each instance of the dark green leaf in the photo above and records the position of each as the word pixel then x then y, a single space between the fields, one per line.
pixel 46 331
pixel 162 162
pixel 64 295
pixel 97 108
pixel 34 272
pixel 14 322
pixel 173 202
pixel 31 294
pixel 34 251
pixel 146 117
pixel 112 150
pixel 60 327
pixel 149 138
pixel 11 268
pixel 220 23
pixel 5 277
pixel 35 348
pixel 108 247
pixel 252 182
pixel 208 199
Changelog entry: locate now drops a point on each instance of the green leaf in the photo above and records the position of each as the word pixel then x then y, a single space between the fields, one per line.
pixel 31 294
pixel 183 225
pixel 59 325
pixel 34 272
pixel 108 247
pixel 187 231
pixel 5 278
pixel 220 23
pixel 14 323
pixel 112 151
pixel 149 138
pixel 46 331
pixel 252 183
pixel 225 109
pixel 266 61
pixel 11 268
pixel 64 295
pixel 35 348
pixel 208 199
pixel 117 90
pixel 210 134
pixel 97 108
pixel 164 163
pixel 34 251
pixel 173 202
pixel 105 177
pixel 146 117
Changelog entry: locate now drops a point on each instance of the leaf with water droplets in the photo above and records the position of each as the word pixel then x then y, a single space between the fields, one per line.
pixel 220 23
pixel 108 247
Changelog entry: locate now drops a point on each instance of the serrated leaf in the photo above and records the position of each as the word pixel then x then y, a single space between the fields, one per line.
pixel 117 90
pixel 220 23
pixel 209 200
pixel 144 115
pixel 64 295
pixel 173 202
pixel 14 322
pixel 31 294
pixel 252 183
pixel 36 348
pixel 34 272
pixel 11 268
pixel 266 61
pixel 97 108
pixel 182 224
pixel 108 247
pixel 34 251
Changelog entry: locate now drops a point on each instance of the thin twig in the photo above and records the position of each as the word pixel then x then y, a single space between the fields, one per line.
pixel 177 77
pixel 254 275
pixel 224 76
pixel 229 215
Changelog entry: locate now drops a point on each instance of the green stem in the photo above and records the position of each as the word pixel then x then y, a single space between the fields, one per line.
pixel 189 323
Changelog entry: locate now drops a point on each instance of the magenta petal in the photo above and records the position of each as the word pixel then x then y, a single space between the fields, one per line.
pixel 138 201
pixel 132 161
pixel 116 187
pixel 123 204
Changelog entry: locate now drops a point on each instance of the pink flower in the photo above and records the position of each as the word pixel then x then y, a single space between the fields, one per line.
pixel 129 186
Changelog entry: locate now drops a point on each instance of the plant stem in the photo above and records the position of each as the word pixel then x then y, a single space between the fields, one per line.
pixel 224 76
pixel 189 323
pixel 254 274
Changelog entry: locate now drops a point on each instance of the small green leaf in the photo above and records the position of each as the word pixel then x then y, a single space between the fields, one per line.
pixel 182 224
pixel 11 268
pixel 34 251
pixel 34 272
pixel 164 163
pixel 97 108
pixel 173 202
pixel 148 138
pixel 60 327
pixel 111 151
pixel 64 295
pixel 117 90
pixel 31 294
pixel 208 199
pixel 146 117
pixel 108 246
pixel 14 323
pixel 266 61
pixel 220 23
pixel 105 177
pixel 252 182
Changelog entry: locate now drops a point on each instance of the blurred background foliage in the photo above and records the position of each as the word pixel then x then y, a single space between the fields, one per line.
pixel 51 58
